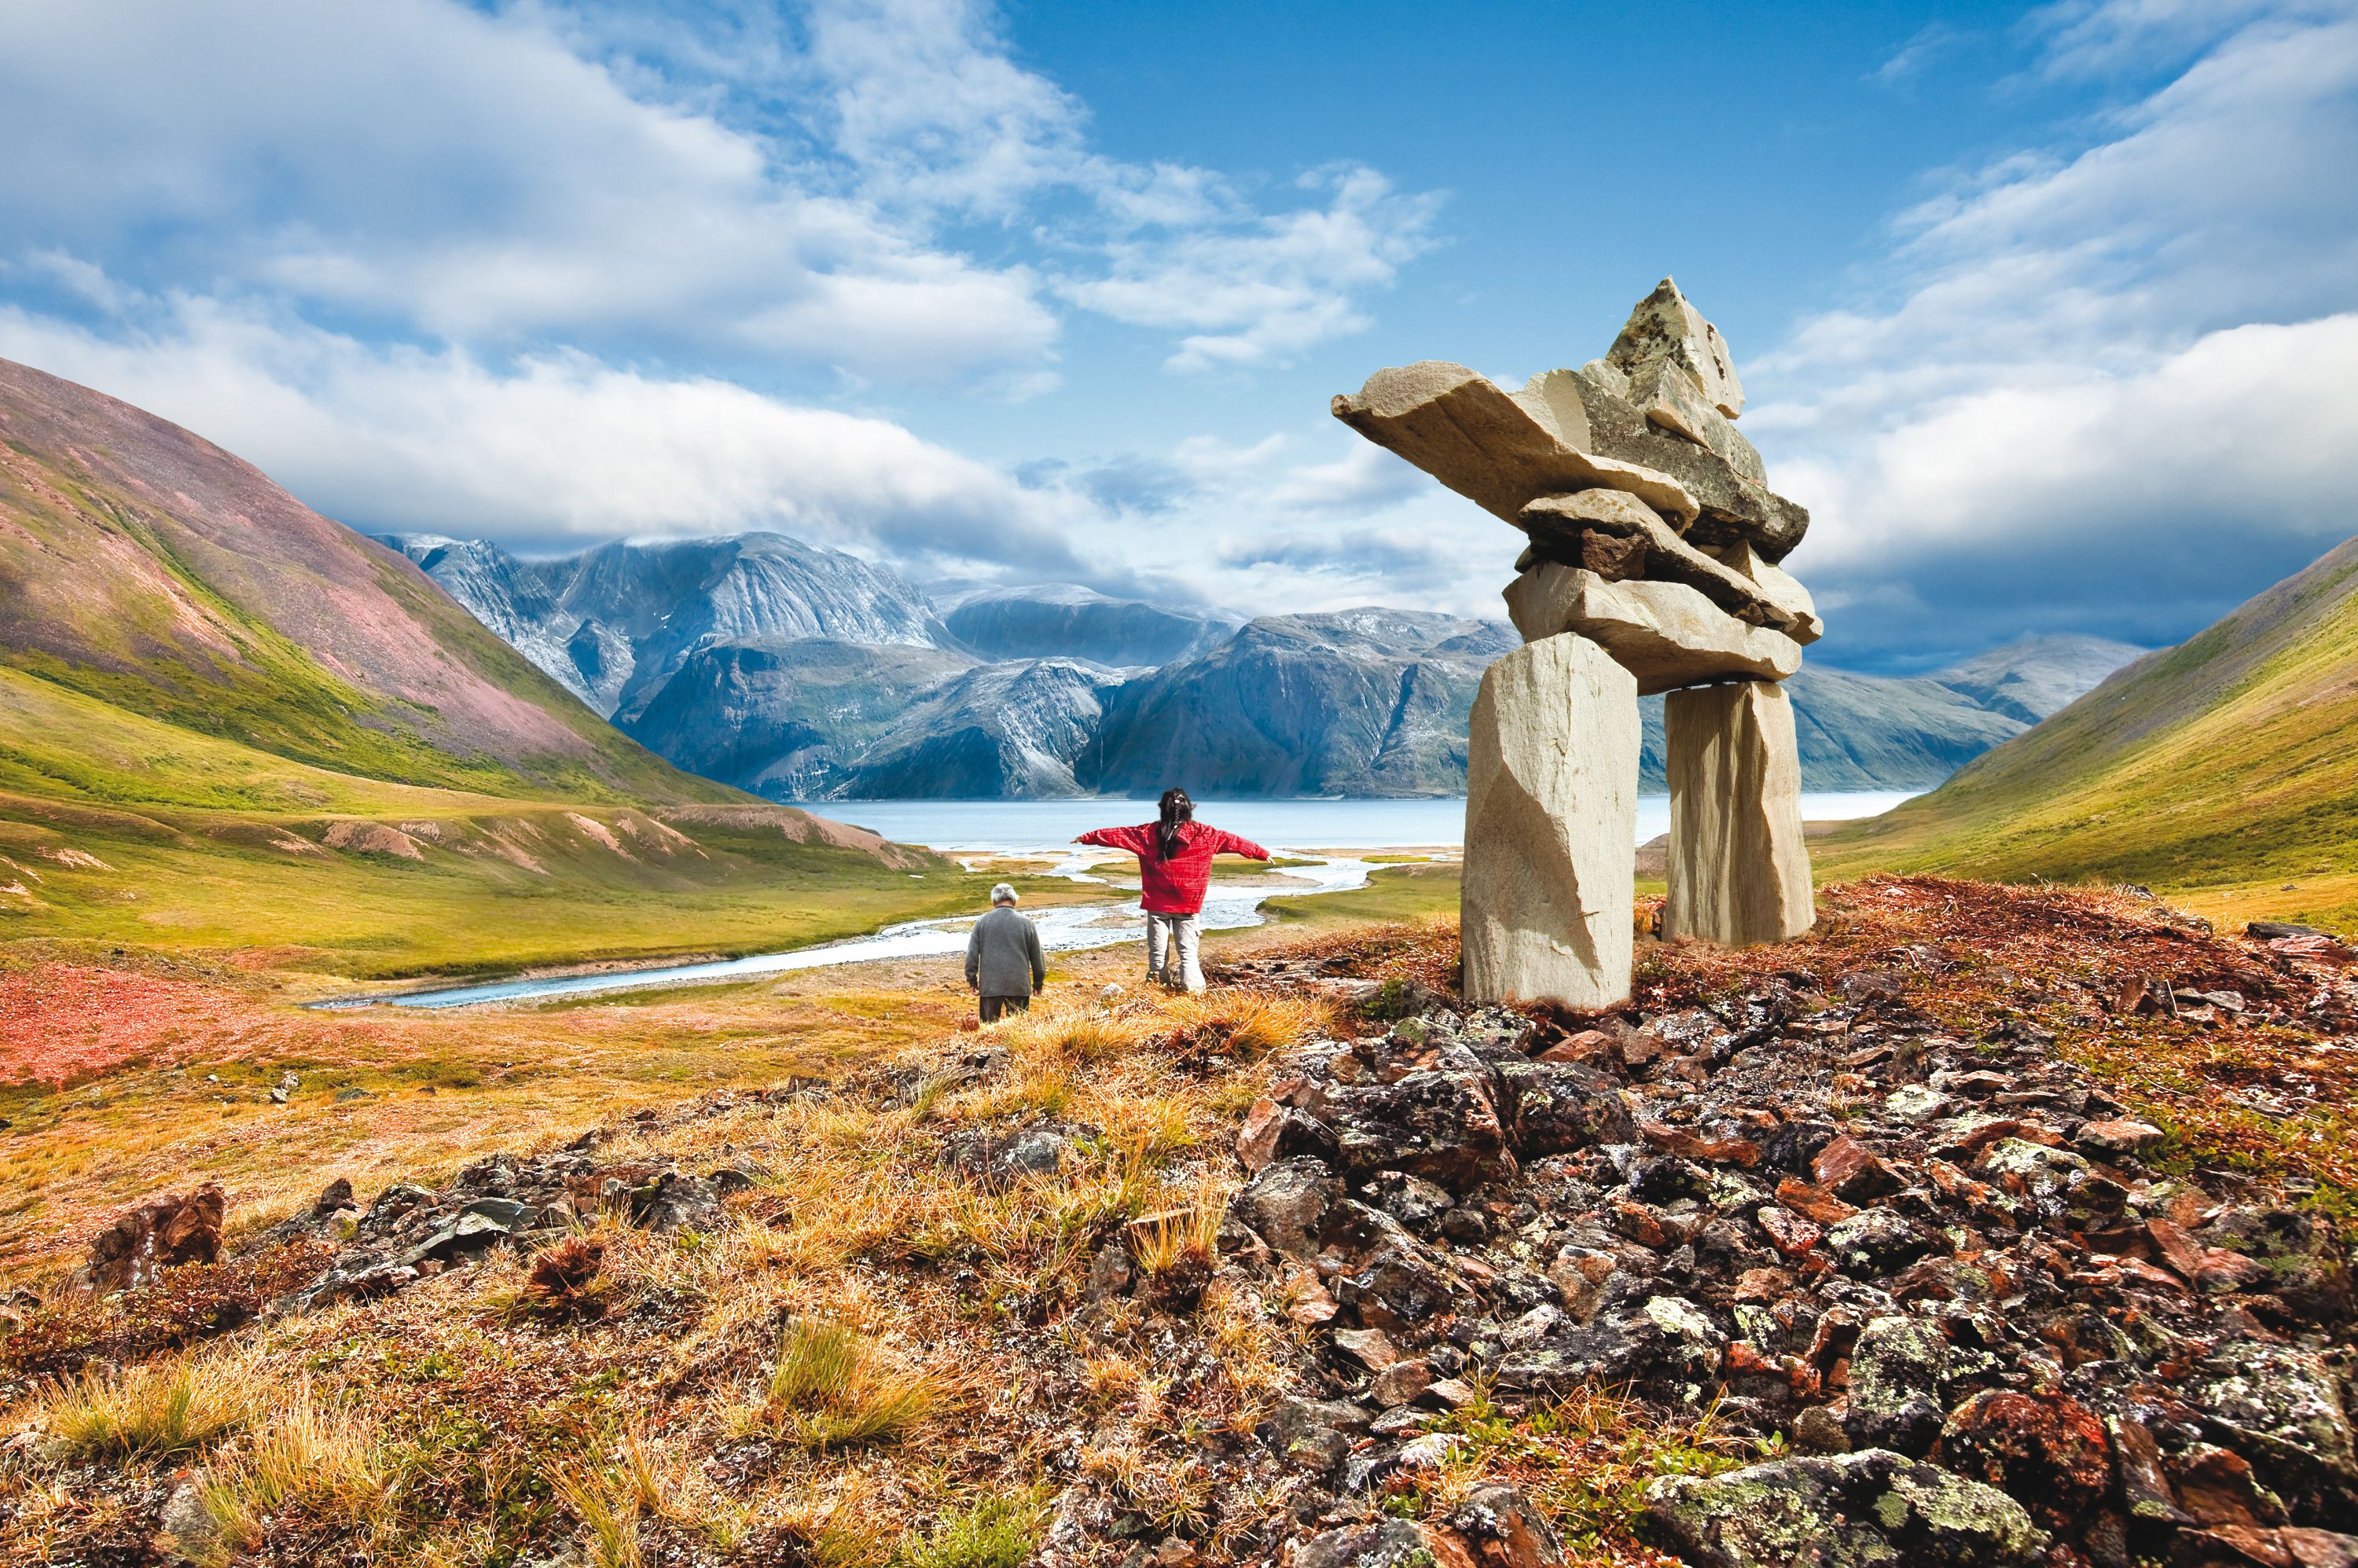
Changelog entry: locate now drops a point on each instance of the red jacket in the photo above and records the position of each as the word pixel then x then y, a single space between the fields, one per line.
pixel 1176 886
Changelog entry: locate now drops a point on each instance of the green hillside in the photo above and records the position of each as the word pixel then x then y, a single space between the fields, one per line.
pixel 2223 772
pixel 148 568
pixel 228 725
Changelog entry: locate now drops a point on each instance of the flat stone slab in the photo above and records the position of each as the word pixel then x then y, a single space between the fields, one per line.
pixel 1559 526
pixel 1499 450
pixel 1665 633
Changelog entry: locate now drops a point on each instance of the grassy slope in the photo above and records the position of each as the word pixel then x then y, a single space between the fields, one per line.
pixel 230 725
pixel 2223 771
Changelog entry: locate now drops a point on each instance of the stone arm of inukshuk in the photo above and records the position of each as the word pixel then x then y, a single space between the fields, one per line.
pixel 1653 538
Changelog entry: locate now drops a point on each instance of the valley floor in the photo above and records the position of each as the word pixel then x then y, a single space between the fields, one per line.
pixel 802 1271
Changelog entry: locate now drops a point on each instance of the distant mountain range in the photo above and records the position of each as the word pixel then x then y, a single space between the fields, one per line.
pixel 805 674
pixel 2227 764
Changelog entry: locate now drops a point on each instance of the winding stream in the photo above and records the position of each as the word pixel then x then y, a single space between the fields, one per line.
pixel 1043 830
pixel 1064 928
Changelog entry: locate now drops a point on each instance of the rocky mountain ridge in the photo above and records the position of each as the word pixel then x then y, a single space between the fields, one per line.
pixel 805 674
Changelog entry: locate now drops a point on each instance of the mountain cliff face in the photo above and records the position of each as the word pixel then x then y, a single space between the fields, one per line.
pixel 1358 702
pixel 615 623
pixel 786 718
pixel 805 674
pixel 1066 620
pixel 1008 730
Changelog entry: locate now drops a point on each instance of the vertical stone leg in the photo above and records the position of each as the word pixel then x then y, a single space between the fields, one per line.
pixel 1739 872
pixel 1551 827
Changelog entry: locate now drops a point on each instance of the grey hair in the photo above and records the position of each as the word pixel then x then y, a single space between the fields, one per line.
pixel 1003 893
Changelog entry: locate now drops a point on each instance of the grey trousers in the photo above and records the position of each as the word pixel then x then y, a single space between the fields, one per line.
pixel 1171 941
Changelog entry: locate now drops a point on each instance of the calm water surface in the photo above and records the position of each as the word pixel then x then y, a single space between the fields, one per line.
pixel 1324 831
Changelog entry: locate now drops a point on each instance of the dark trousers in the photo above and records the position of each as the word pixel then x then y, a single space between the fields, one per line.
pixel 995 1008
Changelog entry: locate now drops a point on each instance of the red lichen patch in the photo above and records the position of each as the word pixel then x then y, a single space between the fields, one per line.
pixel 59 1022
pixel 2244 1053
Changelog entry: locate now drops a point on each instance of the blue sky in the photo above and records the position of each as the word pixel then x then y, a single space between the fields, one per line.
pixel 2049 314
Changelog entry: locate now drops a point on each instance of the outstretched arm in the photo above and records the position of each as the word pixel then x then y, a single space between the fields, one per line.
pixel 1133 839
pixel 1229 844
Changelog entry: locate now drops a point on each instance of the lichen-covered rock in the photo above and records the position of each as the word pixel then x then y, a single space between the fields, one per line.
pixel 1867 1510
pixel 1393 1543
pixel 2044 1448
pixel 1665 1341
pixel 1896 1372
pixel 2276 1404
pixel 1287 1205
pixel 1442 1125
pixel 1555 1108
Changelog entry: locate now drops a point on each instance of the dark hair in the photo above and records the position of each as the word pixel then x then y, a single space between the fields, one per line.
pixel 1176 809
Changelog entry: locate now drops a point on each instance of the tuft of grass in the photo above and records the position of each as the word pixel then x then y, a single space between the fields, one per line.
pixel 830 1386
pixel 608 1508
pixel 992 1533
pixel 1249 1024
pixel 312 1461
pixel 178 1406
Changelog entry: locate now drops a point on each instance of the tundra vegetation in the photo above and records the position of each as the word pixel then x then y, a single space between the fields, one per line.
pixel 803 1270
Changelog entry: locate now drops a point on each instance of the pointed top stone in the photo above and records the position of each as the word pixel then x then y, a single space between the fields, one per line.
pixel 1665 335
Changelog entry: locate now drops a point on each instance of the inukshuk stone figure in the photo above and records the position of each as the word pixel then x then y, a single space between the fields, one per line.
pixel 1651 567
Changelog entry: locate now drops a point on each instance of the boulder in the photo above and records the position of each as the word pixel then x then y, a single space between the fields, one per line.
pixel 155 1236
pixel 1499 449
pixel 1847 1510
pixel 1442 1124
pixel 1564 527
pixel 1287 1204
pixel 1506 1528
pixel 1739 872
pixel 1665 334
pixel 1665 633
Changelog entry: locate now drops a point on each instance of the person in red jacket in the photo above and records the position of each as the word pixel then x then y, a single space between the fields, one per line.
pixel 1174 862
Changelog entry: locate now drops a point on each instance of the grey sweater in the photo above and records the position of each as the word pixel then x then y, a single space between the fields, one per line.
pixel 1002 957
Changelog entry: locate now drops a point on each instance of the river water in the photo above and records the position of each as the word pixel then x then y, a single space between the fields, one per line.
pixel 1334 834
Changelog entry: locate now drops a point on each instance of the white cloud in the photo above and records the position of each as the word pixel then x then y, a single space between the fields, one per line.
pixel 558 446
pixel 2103 388
pixel 536 174
pixel 1262 290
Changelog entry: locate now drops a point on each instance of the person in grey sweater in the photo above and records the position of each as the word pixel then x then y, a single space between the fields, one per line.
pixel 1004 963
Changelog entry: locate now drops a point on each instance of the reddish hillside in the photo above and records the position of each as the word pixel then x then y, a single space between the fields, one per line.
pixel 144 566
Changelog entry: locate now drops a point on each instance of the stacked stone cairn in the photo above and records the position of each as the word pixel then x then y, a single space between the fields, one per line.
pixel 1653 567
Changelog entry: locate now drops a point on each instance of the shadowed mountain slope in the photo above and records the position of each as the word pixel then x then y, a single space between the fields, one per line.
pixel 2227 763
pixel 615 623
pixel 1356 702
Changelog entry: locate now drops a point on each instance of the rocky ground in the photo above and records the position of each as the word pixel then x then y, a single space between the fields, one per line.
pixel 1983 1225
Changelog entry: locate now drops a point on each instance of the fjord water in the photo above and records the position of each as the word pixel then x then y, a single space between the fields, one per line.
pixel 1327 832
pixel 1013 827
